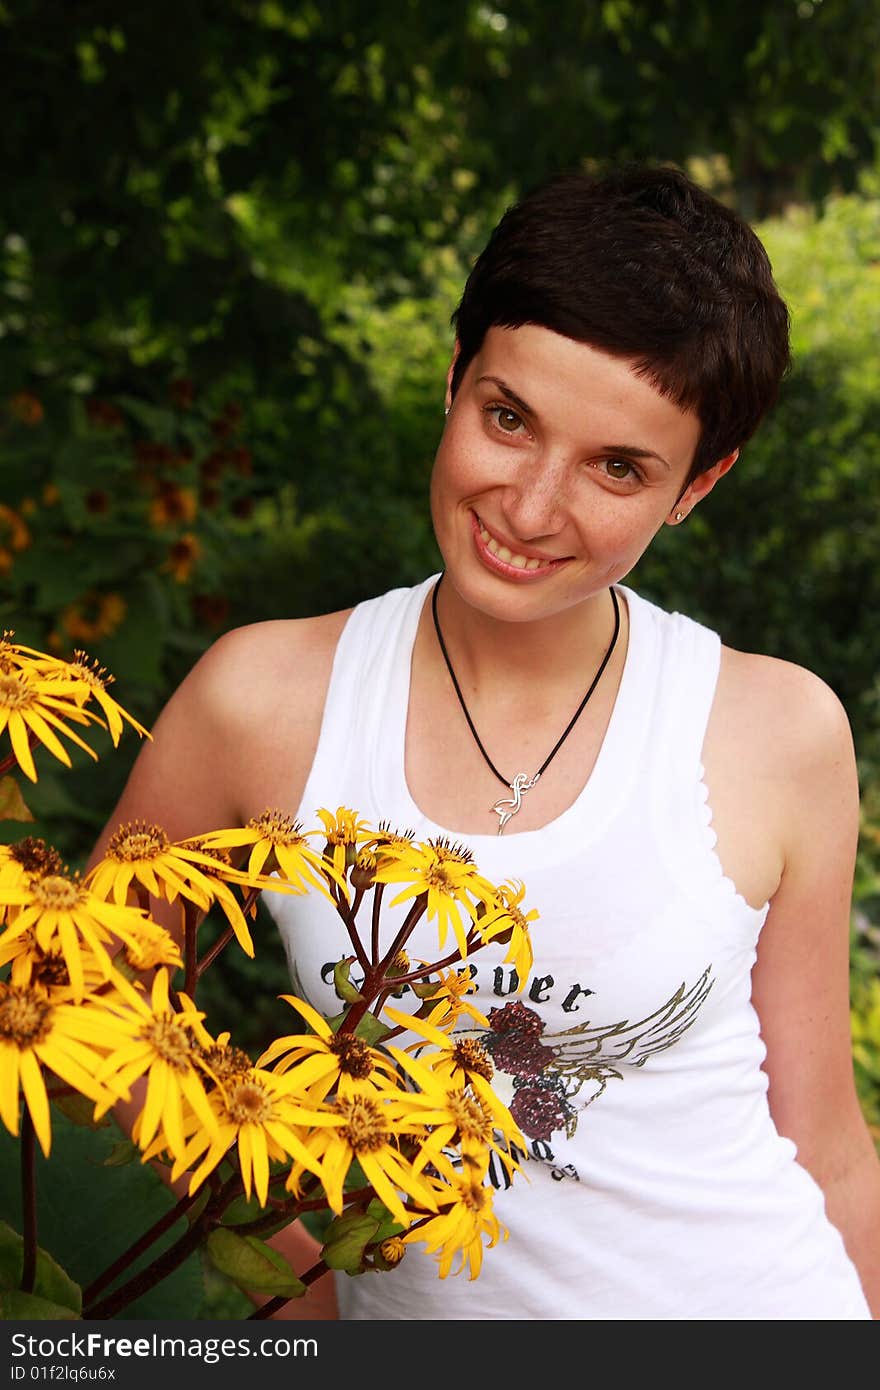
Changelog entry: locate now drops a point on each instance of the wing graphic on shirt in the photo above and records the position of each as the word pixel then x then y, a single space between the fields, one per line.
pixel 557 1075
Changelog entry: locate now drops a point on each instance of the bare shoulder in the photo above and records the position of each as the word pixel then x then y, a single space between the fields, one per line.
pixel 786 713
pixel 240 732
pixel 256 671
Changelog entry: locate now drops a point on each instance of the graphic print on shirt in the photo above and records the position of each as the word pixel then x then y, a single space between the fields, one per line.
pixel 547 1073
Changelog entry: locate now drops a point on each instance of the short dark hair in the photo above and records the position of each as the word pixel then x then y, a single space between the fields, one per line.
pixel 644 264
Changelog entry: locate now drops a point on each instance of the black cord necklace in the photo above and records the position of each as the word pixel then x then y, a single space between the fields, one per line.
pixel 508 806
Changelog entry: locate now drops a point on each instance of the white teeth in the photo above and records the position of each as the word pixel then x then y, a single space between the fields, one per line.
pixel 509 557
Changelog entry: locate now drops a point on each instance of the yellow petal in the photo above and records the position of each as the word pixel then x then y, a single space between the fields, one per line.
pixel 37 1101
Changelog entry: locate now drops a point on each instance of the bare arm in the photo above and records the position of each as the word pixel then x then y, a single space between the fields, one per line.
pixel 237 736
pixel 801 977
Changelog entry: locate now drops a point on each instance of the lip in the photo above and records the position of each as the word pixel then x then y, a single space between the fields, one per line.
pixel 498 566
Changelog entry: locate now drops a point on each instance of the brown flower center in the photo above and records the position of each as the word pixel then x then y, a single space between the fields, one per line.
pixel 471 1056
pixel 248 1103
pixel 446 850
pixel 25 1016
pixel 171 1040
pixel 50 971
pixel 473 1196
pixel 365 1128
pixel 226 1063
pixel 56 892
pixel 222 857
pixel 36 857
pixel 437 876
pixel 88 669
pixel 275 826
pixel 16 691
pixel 353 1055
pixel 137 840
pixel 470 1116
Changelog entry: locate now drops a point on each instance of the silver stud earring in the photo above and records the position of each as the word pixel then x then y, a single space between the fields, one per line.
pixel 679 516
pixel 446 411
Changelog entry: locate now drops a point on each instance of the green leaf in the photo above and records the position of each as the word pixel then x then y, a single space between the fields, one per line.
pixel 244 1209
pixel 15 1304
pixel 52 1283
pixel 371 1029
pixel 345 1240
pixel 89 1214
pixel 342 981
pixel 252 1264
pixel 12 803
pixel 124 1151
pixel 387 1224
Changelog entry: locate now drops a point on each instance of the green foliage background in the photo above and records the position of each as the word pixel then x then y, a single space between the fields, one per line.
pixel 231 241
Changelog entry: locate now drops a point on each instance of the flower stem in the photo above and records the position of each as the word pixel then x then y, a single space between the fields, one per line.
pixel 375 981
pixel 347 916
pixel 148 1278
pixel 213 952
pixel 28 1203
pixel 269 1309
pixel 192 916
pixel 378 890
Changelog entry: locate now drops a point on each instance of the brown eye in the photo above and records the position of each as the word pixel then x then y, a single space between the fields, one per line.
pixel 507 420
pixel 621 469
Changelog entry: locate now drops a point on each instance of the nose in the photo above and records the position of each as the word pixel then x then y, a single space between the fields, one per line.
pixel 535 501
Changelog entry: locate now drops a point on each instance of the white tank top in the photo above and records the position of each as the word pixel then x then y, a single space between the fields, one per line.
pixel 657 1185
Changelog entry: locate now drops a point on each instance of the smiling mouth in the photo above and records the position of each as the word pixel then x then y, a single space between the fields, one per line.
pixel 517 560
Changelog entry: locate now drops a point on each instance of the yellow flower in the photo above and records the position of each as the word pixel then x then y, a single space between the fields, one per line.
pixel 217 868
pixel 157 1040
pixel 92 681
pixel 63 912
pixel 505 924
pixel 448 877
pixel 37 1032
pixel 30 710
pixel 470 1116
pixel 453 1068
pixel 278 846
pixel 461 1228
pixel 141 856
pixel 323 1059
pixel 153 946
pixel 47 971
pixel 449 998
pixel 361 1127
pixel 344 831
pixel 255 1111
pixel 26 859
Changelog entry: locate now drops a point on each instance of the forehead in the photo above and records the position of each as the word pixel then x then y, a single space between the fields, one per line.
pixel 573 387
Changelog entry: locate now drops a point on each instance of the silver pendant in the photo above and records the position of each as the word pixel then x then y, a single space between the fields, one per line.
pixel 508 806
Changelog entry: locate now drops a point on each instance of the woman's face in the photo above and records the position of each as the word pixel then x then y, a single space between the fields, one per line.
pixel 557 466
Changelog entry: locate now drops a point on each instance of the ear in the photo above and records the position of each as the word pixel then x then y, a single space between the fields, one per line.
pixel 701 486
pixel 455 352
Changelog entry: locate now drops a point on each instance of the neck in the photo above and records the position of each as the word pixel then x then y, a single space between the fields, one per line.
pixel 484 650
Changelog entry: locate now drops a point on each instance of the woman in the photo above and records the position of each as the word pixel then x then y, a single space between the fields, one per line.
pixel 684 815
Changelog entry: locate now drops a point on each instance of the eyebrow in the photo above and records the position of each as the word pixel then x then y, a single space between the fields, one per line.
pixel 626 450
